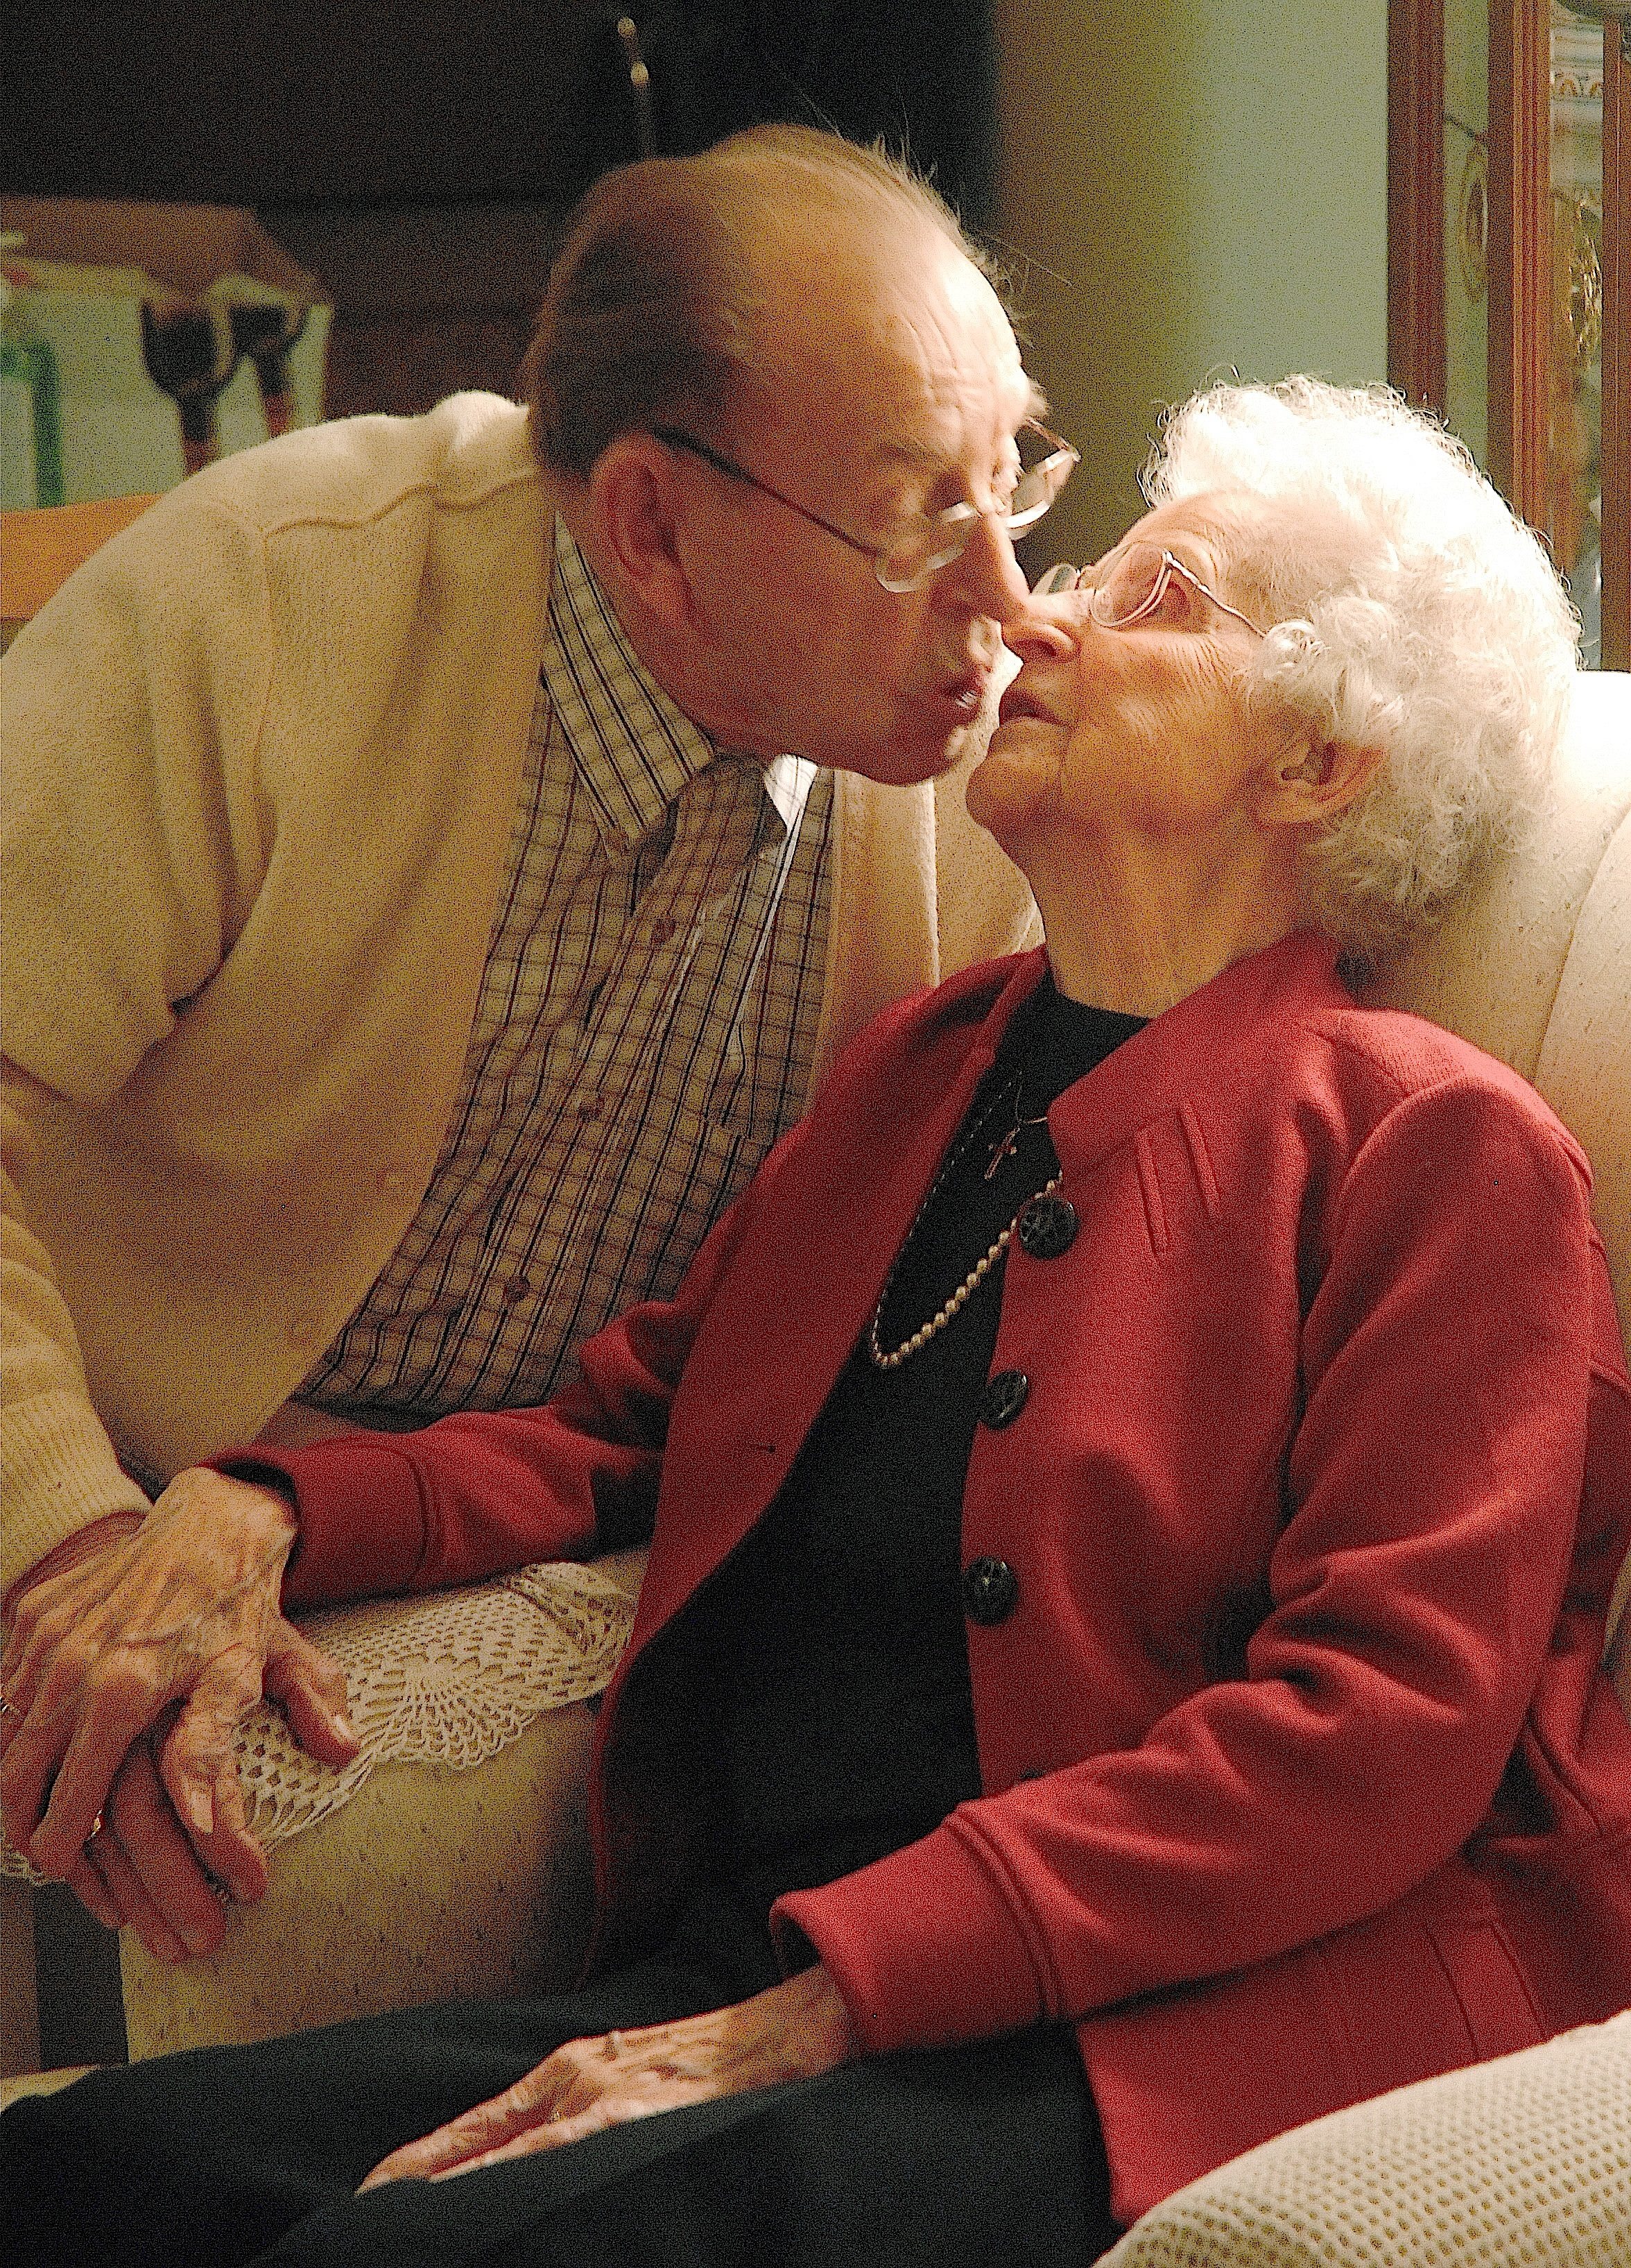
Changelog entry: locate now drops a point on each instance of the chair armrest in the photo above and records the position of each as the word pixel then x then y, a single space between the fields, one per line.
pixel 451 1858
pixel 1525 2158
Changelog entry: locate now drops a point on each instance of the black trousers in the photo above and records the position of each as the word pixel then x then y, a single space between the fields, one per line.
pixel 233 2155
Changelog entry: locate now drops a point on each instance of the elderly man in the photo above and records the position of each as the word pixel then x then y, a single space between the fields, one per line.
pixel 442 856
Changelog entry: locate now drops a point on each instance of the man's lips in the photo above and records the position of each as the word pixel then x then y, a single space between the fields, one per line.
pixel 966 692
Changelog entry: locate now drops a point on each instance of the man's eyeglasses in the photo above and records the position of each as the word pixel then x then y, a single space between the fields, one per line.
pixel 1137 584
pixel 919 547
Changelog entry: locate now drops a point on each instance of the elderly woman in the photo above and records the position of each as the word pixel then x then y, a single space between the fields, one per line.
pixel 1137 1483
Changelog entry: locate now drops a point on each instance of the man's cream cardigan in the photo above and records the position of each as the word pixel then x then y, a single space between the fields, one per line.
pixel 262 755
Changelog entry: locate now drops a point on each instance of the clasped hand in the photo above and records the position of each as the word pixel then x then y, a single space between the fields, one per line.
pixel 794 2030
pixel 125 1672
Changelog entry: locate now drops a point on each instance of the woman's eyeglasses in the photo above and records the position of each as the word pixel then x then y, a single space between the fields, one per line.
pixel 1134 584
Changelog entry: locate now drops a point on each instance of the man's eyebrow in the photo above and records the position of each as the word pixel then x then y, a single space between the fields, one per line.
pixel 924 453
pixel 910 452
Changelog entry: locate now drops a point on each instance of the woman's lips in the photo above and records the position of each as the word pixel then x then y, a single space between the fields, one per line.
pixel 1019 700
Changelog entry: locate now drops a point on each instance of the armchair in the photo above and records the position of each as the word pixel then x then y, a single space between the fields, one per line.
pixel 1535 970
pixel 1533 2151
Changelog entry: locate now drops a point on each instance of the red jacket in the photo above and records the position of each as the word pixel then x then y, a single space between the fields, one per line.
pixel 1302 1778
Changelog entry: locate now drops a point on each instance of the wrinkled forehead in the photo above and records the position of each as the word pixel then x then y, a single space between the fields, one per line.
pixel 900 348
pixel 1220 534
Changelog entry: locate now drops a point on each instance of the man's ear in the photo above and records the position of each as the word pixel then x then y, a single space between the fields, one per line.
pixel 1309 780
pixel 634 504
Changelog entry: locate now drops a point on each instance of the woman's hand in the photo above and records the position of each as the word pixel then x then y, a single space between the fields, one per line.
pixel 796 2031
pixel 171 1632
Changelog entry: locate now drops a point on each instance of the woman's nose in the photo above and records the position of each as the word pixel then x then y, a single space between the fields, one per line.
pixel 1038 634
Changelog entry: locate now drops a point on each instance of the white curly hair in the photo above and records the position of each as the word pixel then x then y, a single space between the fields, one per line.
pixel 1414 613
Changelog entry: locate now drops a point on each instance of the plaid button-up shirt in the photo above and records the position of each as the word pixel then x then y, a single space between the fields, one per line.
pixel 645 1031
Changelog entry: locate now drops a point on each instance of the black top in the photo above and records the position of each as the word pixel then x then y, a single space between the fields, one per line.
pixel 833 1635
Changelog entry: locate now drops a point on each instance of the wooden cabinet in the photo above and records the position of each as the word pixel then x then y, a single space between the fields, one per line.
pixel 1509 265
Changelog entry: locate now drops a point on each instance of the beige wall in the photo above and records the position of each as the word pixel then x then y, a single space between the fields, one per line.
pixel 1187 186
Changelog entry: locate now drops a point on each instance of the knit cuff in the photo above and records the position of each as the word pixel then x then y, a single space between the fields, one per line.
pixel 58 1473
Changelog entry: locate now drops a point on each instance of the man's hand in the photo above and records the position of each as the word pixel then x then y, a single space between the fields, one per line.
pixel 172 1633
pixel 796 2031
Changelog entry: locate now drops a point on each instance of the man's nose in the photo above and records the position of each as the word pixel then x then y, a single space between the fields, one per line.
pixel 987 577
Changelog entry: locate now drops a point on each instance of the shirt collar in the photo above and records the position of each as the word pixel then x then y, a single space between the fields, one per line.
pixel 788 783
pixel 634 749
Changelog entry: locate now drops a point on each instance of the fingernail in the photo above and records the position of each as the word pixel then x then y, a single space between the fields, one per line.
pixel 200 1810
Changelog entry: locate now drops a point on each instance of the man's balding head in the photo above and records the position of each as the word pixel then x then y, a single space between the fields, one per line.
pixel 753 369
pixel 656 308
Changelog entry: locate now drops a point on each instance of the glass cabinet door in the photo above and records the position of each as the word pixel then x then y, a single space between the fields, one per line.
pixel 1466 126
pixel 1575 424
pixel 1509 265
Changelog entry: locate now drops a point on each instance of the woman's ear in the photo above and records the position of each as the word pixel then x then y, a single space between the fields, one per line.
pixel 634 507
pixel 1310 780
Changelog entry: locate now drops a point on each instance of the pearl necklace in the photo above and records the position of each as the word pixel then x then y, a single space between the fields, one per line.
pixel 893 1359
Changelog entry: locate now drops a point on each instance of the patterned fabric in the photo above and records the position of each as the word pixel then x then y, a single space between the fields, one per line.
pixel 645 1031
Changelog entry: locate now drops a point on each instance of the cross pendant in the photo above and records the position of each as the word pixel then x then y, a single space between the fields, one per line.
pixel 1005 1148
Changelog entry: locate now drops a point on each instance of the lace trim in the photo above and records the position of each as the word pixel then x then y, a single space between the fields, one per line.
pixel 447 1679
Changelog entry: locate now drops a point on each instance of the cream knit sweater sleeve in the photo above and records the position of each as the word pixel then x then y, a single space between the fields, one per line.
pixel 260 757
pixel 128 866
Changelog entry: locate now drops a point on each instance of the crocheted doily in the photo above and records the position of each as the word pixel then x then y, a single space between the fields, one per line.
pixel 448 1679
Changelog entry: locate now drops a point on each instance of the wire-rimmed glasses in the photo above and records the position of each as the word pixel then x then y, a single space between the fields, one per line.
pixel 1134 586
pixel 918 548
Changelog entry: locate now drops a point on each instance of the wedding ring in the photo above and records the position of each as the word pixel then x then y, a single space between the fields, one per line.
pixel 614 2046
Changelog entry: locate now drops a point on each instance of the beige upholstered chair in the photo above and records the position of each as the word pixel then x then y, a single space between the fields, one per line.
pixel 1528 2157
pixel 1524 2163
pixel 420 1888
pixel 434 1881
